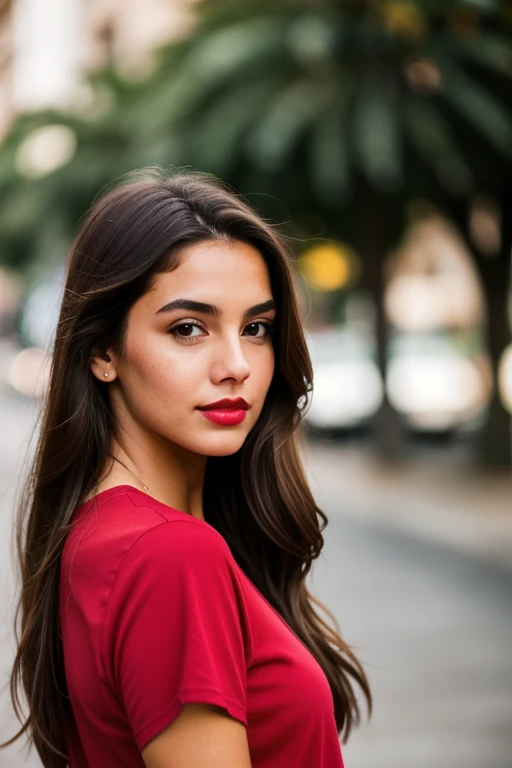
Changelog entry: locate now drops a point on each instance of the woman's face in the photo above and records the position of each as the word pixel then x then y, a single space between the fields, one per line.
pixel 201 334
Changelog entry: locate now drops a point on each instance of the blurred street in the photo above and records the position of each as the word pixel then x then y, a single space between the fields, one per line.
pixel 431 622
pixel 433 625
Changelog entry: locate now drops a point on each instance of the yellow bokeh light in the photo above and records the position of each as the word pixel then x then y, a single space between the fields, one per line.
pixel 405 20
pixel 328 267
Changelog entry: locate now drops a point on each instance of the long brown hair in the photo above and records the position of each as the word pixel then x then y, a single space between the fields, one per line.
pixel 258 498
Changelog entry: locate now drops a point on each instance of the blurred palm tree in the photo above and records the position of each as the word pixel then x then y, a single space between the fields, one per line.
pixel 344 110
pixel 350 108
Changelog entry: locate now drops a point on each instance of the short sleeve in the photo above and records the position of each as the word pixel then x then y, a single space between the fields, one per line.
pixel 175 628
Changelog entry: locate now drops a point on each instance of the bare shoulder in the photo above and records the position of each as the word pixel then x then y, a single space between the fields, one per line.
pixel 202 736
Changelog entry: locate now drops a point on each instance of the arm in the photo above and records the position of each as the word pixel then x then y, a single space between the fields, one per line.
pixel 175 647
pixel 202 736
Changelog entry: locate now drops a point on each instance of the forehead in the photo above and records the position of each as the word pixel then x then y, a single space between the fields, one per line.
pixel 234 270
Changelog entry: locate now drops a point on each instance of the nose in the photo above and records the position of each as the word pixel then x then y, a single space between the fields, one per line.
pixel 230 363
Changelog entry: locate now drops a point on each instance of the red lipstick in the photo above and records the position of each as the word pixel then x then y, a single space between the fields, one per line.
pixel 226 411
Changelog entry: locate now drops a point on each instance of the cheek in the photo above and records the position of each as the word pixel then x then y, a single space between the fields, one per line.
pixel 155 378
pixel 159 371
pixel 263 369
pixel 161 364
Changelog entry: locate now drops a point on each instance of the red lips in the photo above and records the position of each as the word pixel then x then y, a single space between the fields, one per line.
pixel 236 404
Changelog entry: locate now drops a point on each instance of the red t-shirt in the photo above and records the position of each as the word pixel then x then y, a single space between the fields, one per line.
pixel 156 613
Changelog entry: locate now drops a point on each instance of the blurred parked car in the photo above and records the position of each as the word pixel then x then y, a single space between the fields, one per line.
pixel 347 385
pixel 40 311
pixel 435 384
pixel 27 368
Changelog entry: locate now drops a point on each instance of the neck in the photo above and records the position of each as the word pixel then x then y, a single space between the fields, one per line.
pixel 171 475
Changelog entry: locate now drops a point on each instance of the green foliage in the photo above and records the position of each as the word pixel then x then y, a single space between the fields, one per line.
pixel 298 100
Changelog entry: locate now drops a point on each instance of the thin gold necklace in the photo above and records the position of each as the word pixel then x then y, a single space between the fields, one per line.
pixel 146 488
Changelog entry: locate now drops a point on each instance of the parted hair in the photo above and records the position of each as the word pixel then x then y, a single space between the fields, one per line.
pixel 258 498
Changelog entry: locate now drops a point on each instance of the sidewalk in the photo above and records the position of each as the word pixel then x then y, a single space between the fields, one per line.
pixel 437 494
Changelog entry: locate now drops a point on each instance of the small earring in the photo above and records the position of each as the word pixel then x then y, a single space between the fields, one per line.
pixel 106 374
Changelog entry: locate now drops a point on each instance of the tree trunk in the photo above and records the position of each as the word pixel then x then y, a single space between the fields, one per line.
pixel 494 447
pixel 372 242
pixel 495 442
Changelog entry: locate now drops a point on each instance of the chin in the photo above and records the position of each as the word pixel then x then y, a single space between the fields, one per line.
pixel 226 445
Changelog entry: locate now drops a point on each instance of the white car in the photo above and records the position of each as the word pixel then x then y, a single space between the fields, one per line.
pixel 433 383
pixel 347 385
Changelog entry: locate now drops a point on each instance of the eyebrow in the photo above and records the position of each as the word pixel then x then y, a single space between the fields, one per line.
pixel 211 309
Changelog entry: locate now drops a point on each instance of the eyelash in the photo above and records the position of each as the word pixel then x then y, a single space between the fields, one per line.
pixel 187 339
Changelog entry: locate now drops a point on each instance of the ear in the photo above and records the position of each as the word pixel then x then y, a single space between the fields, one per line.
pixel 102 363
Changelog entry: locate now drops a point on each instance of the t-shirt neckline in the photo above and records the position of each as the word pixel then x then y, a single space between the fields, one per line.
pixel 126 486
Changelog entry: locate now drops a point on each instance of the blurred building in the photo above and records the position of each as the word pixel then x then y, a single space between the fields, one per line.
pixel 46 47
pixel 6 105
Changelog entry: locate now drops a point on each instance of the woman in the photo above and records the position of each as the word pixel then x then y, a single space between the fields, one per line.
pixel 165 619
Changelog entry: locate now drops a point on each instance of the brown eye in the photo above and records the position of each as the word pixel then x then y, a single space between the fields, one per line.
pixel 255 328
pixel 185 331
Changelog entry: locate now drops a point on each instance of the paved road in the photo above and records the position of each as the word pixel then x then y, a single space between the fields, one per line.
pixel 434 629
pixel 435 632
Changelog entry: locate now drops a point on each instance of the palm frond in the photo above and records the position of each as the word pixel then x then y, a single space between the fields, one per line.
pixel 329 148
pixel 296 107
pixel 491 118
pixel 376 133
pixel 433 139
pixel 223 128
pixel 490 51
